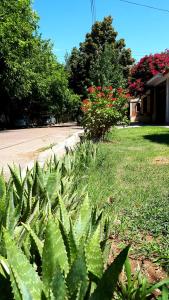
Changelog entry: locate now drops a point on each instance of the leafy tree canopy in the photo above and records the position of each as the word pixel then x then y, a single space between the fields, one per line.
pixel 30 76
pixel 100 60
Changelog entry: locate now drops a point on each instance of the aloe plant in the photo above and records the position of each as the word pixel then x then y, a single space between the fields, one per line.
pixel 68 267
pixel 54 242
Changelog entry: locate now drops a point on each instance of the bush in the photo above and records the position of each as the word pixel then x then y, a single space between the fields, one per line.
pixel 55 243
pixel 104 108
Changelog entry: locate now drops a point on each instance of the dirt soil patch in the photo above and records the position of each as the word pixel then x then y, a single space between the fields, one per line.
pixel 151 270
pixel 161 160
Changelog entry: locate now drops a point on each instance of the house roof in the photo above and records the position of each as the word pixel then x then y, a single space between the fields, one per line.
pixel 157 79
pixel 134 100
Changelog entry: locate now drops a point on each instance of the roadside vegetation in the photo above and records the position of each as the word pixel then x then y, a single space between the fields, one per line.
pixel 56 232
pixel 131 174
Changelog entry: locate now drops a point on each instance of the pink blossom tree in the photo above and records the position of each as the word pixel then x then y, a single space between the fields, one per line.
pixel 145 69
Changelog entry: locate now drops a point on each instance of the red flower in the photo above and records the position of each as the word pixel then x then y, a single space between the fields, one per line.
pixel 91 89
pixel 110 88
pixel 119 90
pixel 84 109
pixel 128 95
pixel 114 99
pixel 99 88
pixel 86 101
pixel 99 95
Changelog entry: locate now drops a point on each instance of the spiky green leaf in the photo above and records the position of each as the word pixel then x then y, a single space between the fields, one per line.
pixel 58 285
pixel 83 219
pixel 37 241
pixel 18 262
pixel 54 253
pixel 64 214
pixel 108 282
pixel 93 254
pixel 72 244
pixel 2 196
pixel 78 275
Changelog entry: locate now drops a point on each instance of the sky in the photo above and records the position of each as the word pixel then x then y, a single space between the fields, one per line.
pixel 66 23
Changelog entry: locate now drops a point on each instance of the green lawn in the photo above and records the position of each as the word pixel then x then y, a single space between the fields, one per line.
pixel 131 173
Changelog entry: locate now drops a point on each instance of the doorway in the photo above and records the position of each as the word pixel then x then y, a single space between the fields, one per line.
pixel 161 103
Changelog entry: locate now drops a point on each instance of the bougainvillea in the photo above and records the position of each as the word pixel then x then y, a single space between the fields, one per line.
pixel 145 69
pixel 103 108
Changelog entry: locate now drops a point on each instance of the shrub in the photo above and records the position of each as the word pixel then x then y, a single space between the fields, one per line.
pixel 145 69
pixel 104 108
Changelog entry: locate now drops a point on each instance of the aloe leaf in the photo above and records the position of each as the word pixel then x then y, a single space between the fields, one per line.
pixel 72 244
pixel 13 211
pixel 15 288
pixel 17 181
pixel 37 241
pixel 18 262
pixel 2 196
pixel 31 219
pixel 65 238
pixel 108 282
pixel 21 291
pixel 77 275
pixel 58 285
pixel 52 186
pixel 4 266
pixel 54 253
pixel 83 219
pixel 94 255
pixel 64 214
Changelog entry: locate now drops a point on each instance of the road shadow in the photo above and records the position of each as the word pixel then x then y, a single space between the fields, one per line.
pixel 162 138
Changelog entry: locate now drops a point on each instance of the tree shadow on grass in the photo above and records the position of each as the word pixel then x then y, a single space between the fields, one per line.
pixel 162 138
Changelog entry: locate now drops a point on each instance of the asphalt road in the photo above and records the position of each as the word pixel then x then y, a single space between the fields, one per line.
pixel 24 145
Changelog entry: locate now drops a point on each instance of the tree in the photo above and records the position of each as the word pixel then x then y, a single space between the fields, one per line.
pixel 145 69
pixel 30 76
pixel 86 65
pixel 107 70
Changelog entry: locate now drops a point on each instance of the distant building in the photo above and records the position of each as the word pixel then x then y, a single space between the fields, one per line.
pixel 153 106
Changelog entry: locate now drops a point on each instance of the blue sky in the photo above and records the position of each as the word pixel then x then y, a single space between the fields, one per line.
pixel 66 22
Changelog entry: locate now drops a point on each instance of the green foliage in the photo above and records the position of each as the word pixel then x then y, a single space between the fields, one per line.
pixel 125 170
pixel 100 60
pixel 138 287
pixel 94 254
pixel 108 282
pixel 31 79
pixel 24 280
pixel 106 69
pixel 104 108
pixel 53 247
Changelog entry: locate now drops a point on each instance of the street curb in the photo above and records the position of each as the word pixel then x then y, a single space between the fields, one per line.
pixel 58 150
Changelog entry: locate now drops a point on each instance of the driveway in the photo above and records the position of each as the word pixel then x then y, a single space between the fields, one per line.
pixel 24 146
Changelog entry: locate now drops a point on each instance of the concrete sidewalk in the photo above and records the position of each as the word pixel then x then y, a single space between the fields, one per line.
pixel 24 146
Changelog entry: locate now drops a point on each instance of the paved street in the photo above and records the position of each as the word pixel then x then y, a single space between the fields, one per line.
pixel 23 146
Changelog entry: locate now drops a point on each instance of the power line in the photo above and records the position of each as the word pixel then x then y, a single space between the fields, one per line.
pixel 144 5
pixel 93 10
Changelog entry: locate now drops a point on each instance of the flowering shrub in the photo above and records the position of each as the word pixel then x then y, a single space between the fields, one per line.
pixel 146 68
pixel 104 108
